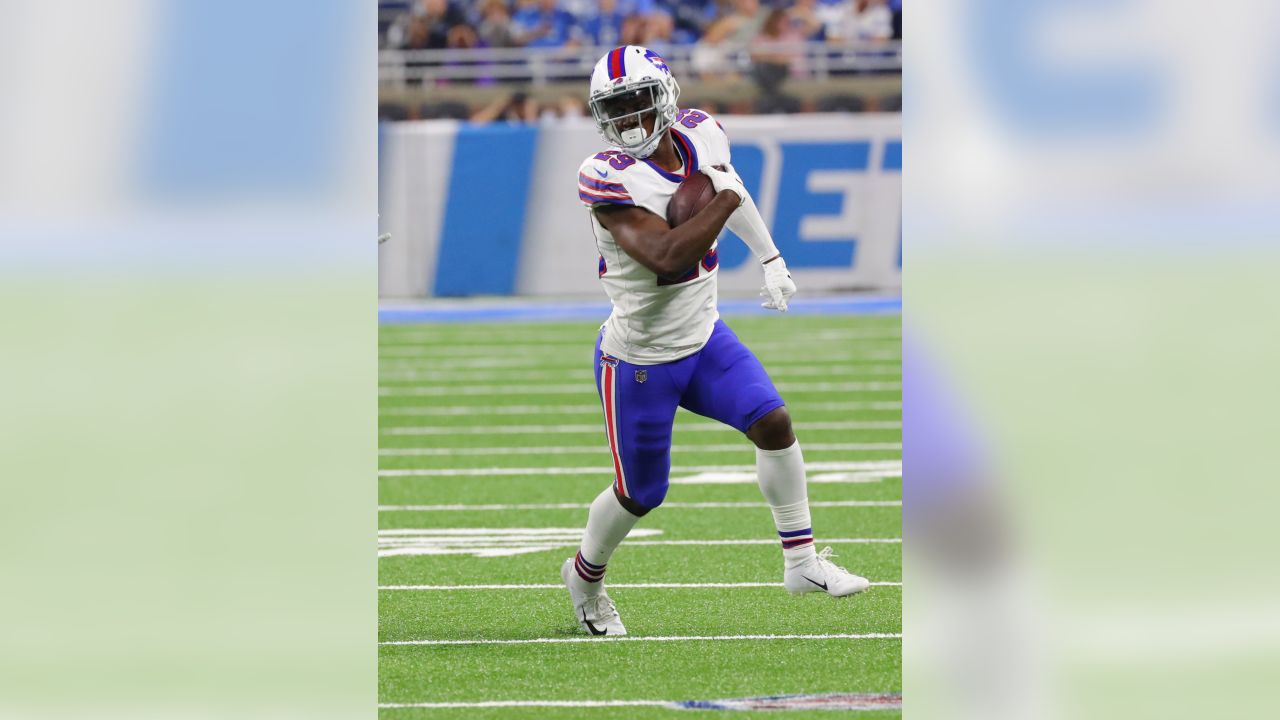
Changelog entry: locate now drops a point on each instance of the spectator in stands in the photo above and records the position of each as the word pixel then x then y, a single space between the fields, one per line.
pixel 805 22
pixel 425 26
pixel 731 32
pixel 632 30
pixel 541 23
pixel 495 25
pixel 710 58
pixel 657 32
pixel 777 45
pixel 834 16
pixel 744 23
pixel 604 28
pixel 691 18
pixel 774 56
pixel 871 21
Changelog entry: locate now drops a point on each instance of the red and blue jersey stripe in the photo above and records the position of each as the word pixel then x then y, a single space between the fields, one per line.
pixel 592 190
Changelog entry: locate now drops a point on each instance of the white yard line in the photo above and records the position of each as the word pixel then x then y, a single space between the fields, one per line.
pixel 588 388
pixel 408 535
pixel 599 428
pixel 585 375
pixel 612 586
pixel 889 466
pixel 744 448
pixel 641 638
pixel 576 347
pixel 406 336
pixel 594 408
pixel 408 362
pixel 667 505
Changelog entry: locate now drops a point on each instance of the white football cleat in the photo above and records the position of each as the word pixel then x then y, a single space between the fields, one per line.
pixel 819 574
pixel 595 613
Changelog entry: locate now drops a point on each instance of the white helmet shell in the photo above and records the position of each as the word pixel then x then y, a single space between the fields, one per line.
pixel 633 73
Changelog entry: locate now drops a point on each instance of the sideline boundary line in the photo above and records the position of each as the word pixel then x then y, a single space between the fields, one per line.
pixel 649 638
pixel 668 505
pixel 612 586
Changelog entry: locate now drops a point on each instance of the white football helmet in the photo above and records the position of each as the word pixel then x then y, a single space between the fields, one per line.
pixel 627 84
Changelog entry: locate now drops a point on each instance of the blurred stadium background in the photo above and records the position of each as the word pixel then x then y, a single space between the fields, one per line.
pixel 484 123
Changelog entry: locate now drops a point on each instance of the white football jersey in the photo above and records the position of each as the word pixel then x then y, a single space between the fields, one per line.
pixel 654 320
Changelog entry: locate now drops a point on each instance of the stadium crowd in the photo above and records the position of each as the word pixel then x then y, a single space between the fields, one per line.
pixel 440 24
pixel 722 41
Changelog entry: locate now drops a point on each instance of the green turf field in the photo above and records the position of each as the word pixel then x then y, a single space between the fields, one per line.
pixel 492 446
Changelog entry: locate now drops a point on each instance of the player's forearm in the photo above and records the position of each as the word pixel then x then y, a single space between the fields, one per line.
pixel 684 245
pixel 747 224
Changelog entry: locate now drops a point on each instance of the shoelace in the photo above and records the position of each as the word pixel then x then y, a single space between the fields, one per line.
pixel 604 606
pixel 824 558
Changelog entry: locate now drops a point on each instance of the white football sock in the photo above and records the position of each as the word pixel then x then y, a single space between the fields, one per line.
pixel 607 525
pixel 781 477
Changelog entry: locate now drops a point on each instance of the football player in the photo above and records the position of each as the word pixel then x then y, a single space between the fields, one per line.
pixel 664 345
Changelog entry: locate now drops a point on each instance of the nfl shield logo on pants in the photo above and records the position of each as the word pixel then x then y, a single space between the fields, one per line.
pixel 642 375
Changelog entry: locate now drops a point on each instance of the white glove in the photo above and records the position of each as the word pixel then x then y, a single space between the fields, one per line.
pixel 724 177
pixel 778 286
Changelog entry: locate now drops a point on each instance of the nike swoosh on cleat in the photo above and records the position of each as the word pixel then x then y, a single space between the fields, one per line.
pixel 821 585
pixel 603 174
pixel 593 629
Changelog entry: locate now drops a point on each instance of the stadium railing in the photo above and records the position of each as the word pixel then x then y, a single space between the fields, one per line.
pixel 538 66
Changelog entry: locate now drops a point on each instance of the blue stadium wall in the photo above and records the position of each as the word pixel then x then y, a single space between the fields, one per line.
pixel 493 209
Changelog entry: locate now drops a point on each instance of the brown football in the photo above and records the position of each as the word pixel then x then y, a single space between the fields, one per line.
pixel 692 195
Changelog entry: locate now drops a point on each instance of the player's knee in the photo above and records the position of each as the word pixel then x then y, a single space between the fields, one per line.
pixel 641 505
pixel 773 431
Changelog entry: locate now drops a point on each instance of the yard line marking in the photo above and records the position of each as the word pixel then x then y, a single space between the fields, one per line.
pixel 891 466
pixel 586 387
pixel 489 339
pixel 599 428
pixel 585 374
pixel 651 638
pixel 594 408
pixel 612 586
pixel 505 542
pixel 586 506
pixel 481 542
pixel 827 358
pixel 604 449
pixel 468 363
pixel 453 349
pixel 748 477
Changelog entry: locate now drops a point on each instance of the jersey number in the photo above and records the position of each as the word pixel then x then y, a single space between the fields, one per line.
pixel 619 160
pixel 690 118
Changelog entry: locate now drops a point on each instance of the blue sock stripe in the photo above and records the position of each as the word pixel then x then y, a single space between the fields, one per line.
pixel 589 565
pixel 795 533
pixel 588 575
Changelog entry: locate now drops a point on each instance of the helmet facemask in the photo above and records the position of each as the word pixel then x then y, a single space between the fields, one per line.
pixel 621 114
